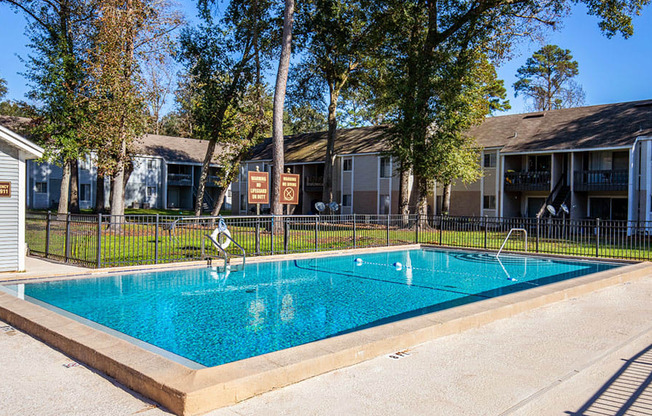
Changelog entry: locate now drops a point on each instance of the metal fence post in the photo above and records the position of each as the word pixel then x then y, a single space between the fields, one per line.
pixel 67 242
pixel 536 244
pixel 317 233
pixel 257 242
pixel 416 229
pixel 47 234
pixel 441 228
pixel 286 234
pixel 388 229
pixel 99 241
pixel 486 219
pixel 597 237
pixel 156 242
pixel 271 243
pixel 355 237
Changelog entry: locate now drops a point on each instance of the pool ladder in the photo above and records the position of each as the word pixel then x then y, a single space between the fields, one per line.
pixel 507 238
pixel 209 259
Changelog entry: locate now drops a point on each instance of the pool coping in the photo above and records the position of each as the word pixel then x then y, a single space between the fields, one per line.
pixel 188 392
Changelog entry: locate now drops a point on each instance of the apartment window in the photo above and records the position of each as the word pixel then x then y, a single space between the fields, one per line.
pixel 347 165
pixel 489 202
pixel 346 200
pixel 385 167
pixel 151 190
pixel 150 165
pixel 85 192
pixel 490 160
pixel 243 174
pixel 41 187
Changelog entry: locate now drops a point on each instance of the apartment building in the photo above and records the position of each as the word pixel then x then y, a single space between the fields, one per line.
pixel 594 162
pixel 165 174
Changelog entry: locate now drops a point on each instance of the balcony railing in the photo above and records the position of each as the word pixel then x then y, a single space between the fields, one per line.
pixel 314 182
pixel 601 180
pixel 527 181
pixel 212 180
pixel 180 179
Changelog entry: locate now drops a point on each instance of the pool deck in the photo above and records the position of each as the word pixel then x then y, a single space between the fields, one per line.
pixel 545 360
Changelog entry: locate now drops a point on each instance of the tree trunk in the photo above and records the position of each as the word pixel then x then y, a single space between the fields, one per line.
pixel 327 194
pixel 219 202
pixel 74 187
pixel 118 190
pixel 99 194
pixel 422 197
pixel 65 189
pixel 404 195
pixel 203 176
pixel 446 199
pixel 278 157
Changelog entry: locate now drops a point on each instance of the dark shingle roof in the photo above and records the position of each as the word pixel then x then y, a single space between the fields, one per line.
pixel 598 126
pixel 608 125
pixel 311 147
pixel 175 149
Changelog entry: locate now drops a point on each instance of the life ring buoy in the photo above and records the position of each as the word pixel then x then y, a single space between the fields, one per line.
pixel 216 233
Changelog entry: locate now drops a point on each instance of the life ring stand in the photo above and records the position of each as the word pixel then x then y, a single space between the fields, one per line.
pixel 216 233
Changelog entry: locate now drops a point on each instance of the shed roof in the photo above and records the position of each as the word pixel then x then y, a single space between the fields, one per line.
pixel 32 150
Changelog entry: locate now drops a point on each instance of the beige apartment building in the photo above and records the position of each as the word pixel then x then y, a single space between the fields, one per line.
pixel 595 162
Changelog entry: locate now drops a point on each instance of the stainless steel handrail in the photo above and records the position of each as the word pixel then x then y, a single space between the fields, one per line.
pixel 507 238
pixel 226 255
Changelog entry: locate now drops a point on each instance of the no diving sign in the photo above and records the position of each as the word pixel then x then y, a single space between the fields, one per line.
pixel 289 188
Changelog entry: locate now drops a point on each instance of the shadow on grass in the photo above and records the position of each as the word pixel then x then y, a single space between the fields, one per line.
pixel 628 391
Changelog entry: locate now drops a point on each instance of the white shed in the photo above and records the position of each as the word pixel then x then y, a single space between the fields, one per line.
pixel 14 150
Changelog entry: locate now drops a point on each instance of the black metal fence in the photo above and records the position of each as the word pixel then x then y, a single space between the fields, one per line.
pixel 105 241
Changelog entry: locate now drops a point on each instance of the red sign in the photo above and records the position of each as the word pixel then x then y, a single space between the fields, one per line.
pixel 5 189
pixel 258 186
pixel 289 188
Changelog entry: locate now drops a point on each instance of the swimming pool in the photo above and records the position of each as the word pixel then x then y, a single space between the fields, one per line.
pixel 213 318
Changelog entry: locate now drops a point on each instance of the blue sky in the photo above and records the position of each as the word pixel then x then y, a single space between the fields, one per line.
pixel 611 70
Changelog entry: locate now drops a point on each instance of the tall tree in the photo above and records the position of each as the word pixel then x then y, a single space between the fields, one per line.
pixel 127 33
pixel 14 108
pixel 59 34
pixel 426 37
pixel 278 156
pixel 223 59
pixel 547 79
pixel 335 36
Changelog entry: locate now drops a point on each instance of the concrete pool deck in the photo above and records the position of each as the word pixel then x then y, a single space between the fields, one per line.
pixel 192 392
pixel 563 357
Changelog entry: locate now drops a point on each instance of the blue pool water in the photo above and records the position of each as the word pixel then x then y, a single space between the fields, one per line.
pixel 212 319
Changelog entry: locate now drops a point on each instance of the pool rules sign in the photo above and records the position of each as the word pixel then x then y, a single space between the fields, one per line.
pixel 289 189
pixel 258 185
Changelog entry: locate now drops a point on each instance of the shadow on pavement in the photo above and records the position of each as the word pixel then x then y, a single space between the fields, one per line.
pixel 628 391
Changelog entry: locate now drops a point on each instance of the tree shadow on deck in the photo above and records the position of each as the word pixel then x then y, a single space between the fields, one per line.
pixel 628 391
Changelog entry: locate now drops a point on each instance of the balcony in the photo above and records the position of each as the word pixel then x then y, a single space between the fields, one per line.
pixel 601 180
pixel 179 179
pixel 314 183
pixel 527 181
pixel 212 181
